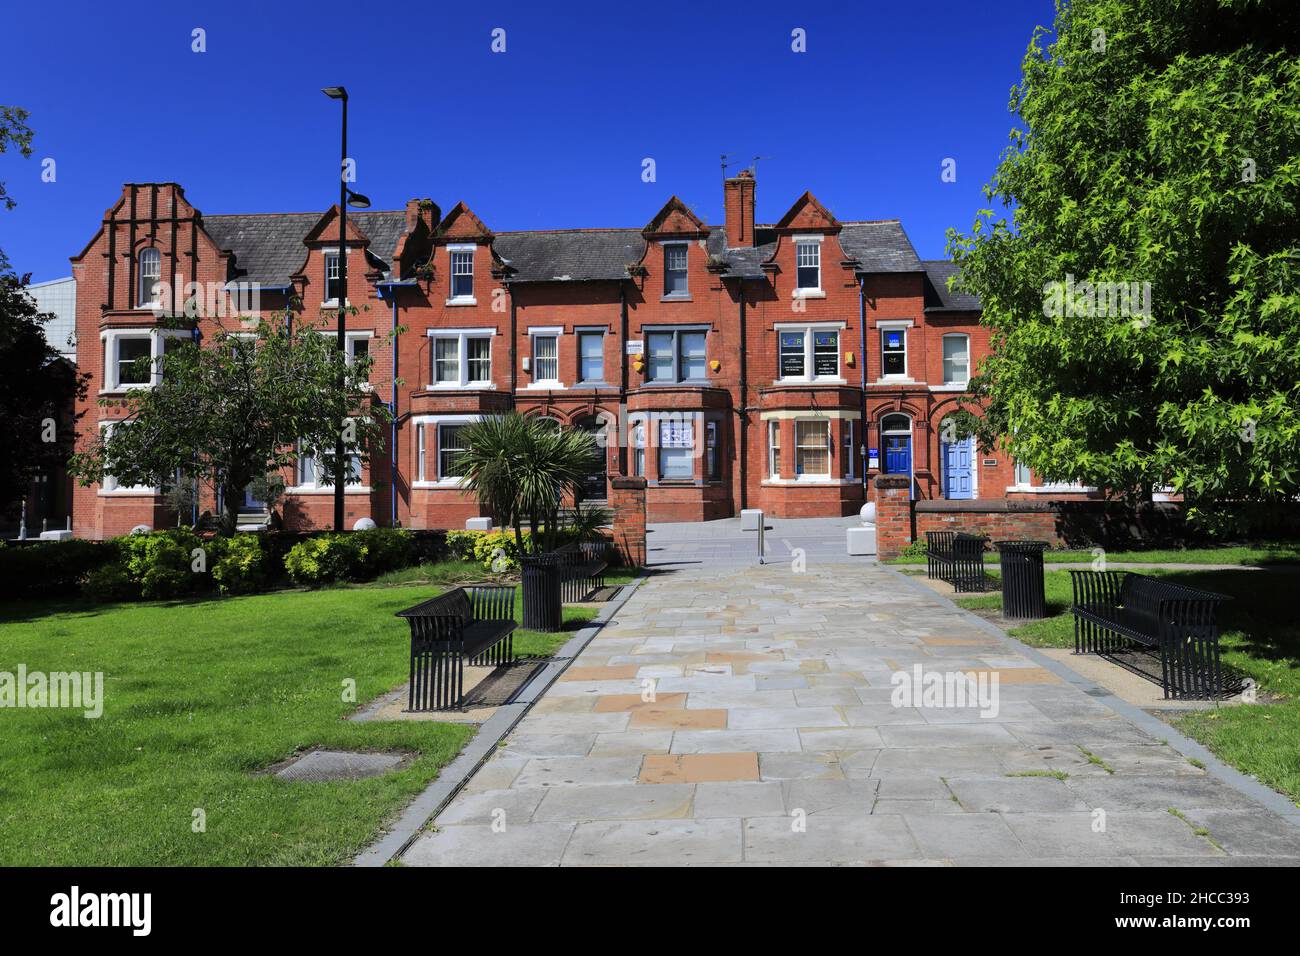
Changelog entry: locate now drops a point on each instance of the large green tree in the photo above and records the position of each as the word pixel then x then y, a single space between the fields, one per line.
pixel 1157 146
pixel 242 404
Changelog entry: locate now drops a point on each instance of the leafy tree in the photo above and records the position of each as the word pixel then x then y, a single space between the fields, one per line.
pixel 233 410
pixel 1159 145
pixel 35 384
pixel 521 467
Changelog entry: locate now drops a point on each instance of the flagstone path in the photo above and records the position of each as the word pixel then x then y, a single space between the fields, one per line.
pixel 740 714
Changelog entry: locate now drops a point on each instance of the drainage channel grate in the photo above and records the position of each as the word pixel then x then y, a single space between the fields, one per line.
pixel 504 683
pixel 321 766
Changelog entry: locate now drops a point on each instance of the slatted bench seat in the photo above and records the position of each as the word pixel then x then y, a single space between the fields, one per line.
pixel 958 558
pixel 582 569
pixel 474 624
pixel 1113 609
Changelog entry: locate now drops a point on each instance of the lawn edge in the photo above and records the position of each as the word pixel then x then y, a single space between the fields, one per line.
pixel 1262 794
pixel 440 792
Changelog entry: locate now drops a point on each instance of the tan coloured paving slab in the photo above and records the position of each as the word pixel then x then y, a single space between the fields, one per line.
pixel 618 672
pixel 699 768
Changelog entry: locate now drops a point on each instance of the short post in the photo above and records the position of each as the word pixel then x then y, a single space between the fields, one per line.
pixel 762 536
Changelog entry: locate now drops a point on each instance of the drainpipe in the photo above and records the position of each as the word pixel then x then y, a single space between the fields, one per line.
pixel 862 368
pixel 623 426
pixel 514 344
pixel 742 415
pixel 387 291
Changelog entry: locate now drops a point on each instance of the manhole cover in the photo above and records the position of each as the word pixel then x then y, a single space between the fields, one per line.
pixel 323 765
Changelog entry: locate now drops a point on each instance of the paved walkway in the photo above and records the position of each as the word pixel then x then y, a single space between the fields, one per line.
pixel 771 738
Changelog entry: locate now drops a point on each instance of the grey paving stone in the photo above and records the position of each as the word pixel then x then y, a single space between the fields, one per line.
pixel 616 802
pixel 578 771
pixel 1062 835
pixel 1015 794
pixel 528 844
pixel 1156 792
pixel 968 834
pixel 829 839
pixel 1248 832
pixel 507 806
pixel 738 800
pixel 655 843
pixel 528 746
pixel 735 741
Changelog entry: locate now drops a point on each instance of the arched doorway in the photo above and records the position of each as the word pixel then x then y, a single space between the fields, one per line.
pixel 957 459
pixel 594 487
pixel 896 437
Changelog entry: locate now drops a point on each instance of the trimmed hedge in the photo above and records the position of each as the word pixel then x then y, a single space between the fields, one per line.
pixel 355 556
pixel 51 568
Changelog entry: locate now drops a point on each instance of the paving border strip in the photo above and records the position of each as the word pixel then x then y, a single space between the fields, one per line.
pixel 1248 786
pixel 431 801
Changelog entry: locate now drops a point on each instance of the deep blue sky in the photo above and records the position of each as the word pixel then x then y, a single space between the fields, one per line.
pixel 549 134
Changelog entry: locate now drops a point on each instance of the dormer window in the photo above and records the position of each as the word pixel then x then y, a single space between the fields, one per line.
pixel 462 273
pixel 333 281
pixel 150 262
pixel 675 280
pixel 808 262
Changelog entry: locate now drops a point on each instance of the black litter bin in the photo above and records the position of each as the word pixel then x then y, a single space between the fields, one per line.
pixel 543 608
pixel 1022 578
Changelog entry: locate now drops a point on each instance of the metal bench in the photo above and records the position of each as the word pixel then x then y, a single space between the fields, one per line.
pixel 474 624
pixel 582 569
pixel 958 558
pixel 1114 608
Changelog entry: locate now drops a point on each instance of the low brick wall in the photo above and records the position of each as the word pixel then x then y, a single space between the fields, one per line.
pixel 999 519
pixel 627 502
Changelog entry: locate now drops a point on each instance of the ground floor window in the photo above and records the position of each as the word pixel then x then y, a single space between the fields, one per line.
pixel 676 450
pixel 812 441
pixel 711 450
pixel 450 448
pixel 638 449
pixel 774 449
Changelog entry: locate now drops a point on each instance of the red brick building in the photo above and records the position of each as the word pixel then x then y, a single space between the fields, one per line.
pixel 732 366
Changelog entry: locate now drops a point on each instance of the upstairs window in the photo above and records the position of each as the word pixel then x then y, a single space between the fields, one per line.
pixel 462 359
pixel 893 352
pixel 677 356
pixel 462 273
pixel 956 359
pixel 808 261
pixel 478 359
pixel 675 282
pixel 133 358
pixel 150 262
pixel 546 358
pixel 333 281
pixel 591 356
pixel 809 353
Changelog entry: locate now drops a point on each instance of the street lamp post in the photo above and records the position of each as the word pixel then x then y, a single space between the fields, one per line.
pixel 346 198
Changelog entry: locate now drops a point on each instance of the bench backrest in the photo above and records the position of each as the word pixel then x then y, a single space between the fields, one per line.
pixel 968 545
pixel 939 542
pixel 446 616
pixel 1167 601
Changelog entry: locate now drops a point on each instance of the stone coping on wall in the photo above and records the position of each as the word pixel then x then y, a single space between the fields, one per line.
pixel 985 506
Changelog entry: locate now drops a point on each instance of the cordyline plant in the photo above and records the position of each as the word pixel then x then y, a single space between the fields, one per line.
pixel 1158 156
pixel 237 408
pixel 521 467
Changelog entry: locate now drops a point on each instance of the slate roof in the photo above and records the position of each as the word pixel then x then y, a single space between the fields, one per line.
pixel 268 247
pixel 879 246
pixel 569 255
pixel 938 298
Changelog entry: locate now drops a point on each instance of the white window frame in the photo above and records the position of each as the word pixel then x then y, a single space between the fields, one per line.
pixel 463 380
pixel 638 430
pixel 326 302
pixel 670 248
pixel 578 336
pixel 112 340
pixel 801 245
pixel 774 448
pixel 712 450
pixel 438 435
pixel 849 449
pixel 676 333
pixel 315 487
pixel 534 334
pixel 809 330
pixel 109 486
pixel 965 380
pixel 828 447
pixel 147 298
pixel 423 471
pixel 453 251
pixel 882 329
pixel 691 449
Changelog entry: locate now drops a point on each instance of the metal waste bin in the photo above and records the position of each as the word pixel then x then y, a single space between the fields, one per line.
pixel 540 576
pixel 1022 578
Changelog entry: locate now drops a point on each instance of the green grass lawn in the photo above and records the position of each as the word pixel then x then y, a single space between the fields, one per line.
pixel 199 697
pixel 1255 555
pixel 1260 638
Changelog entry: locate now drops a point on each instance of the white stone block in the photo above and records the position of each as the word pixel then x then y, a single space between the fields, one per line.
pixel 56 535
pixel 751 519
pixel 862 540
pixel 478 524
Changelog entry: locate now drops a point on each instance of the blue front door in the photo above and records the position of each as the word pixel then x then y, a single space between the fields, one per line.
pixel 957 469
pixel 898 454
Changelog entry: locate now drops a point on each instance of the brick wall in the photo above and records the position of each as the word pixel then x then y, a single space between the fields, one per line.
pixel 627 501
pixel 893 516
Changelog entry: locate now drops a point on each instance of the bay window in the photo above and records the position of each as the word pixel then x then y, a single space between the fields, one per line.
pixel 774 449
pixel 676 450
pixel 812 441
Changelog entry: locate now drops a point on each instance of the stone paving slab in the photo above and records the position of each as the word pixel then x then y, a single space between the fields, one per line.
pixel 734 714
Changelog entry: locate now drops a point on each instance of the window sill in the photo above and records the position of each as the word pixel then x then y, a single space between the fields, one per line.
pixel 333 304
pixel 123 389
pixel 812 381
pixel 676 298
pixel 823 481
pixel 891 380
pixel 128 493
pixel 462 300
pixel 445 484
pixel 810 293
pixel 949 387
pixel 459 386
pixel 327 490
pixel 545 387
pixel 1051 489
pixel 687 382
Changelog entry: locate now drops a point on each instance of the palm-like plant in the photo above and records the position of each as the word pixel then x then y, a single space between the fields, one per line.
pixel 521 467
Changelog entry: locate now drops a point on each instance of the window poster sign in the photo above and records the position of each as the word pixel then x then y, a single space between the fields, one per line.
pixel 676 435
pixel 792 353
pixel 873 457
pixel 826 353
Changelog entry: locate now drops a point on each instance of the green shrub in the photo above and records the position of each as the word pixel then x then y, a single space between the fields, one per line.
pixel 239 565
pixel 51 568
pixel 323 560
pixel 164 563
pixel 381 550
pixel 914 550
pixel 460 544
pixel 110 583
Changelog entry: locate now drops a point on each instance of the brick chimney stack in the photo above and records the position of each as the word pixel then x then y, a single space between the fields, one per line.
pixel 421 209
pixel 738 193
